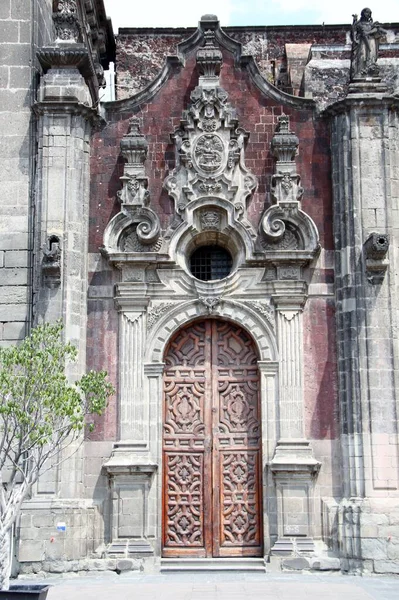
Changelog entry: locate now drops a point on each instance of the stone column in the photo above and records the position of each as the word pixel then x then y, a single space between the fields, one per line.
pixel 290 334
pixel 365 153
pixel 62 203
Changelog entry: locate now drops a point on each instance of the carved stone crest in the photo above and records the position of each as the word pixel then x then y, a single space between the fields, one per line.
pixel 208 152
pixel 210 220
pixel 209 144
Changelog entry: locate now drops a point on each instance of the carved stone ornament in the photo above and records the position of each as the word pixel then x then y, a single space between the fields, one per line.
pixel 210 220
pixel 136 228
pixel 265 309
pixel 285 218
pixel 209 58
pixel 284 143
pixel 365 35
pixel 66 21
pixel 210 302
pixel 134 146
pixel 156 312
pixel 209 144
pixel 376 249
pixel 51 264
pixel 148 227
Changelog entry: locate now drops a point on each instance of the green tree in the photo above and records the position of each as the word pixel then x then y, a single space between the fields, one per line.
pixel 41 413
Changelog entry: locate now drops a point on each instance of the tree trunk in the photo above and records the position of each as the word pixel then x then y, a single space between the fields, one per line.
pixel 5 559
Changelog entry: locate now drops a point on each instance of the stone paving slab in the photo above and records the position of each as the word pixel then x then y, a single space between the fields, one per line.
pixel 222 586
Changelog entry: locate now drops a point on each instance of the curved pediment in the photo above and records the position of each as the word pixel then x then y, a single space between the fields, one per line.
pixel 208 23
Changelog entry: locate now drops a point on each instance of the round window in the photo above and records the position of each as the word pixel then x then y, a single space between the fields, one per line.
pixel 210 262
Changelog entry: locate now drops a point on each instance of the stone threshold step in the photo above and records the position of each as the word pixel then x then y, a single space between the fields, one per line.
pixel 212 564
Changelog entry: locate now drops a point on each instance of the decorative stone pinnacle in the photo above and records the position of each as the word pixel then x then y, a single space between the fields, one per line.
pixel 284 143
pixel 209 57
pixel 134 146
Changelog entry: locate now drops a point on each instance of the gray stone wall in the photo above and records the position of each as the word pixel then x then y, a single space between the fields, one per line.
pixel 23 27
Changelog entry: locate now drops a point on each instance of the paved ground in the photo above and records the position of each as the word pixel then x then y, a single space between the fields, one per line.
pixel 223 586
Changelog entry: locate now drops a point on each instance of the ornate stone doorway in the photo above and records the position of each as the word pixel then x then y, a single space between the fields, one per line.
pixel 212 502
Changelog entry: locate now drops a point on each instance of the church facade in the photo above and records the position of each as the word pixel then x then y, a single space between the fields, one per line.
pixel 222 239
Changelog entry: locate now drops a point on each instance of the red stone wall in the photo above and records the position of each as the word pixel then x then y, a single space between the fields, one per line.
pixel 258 115
pixel 320 372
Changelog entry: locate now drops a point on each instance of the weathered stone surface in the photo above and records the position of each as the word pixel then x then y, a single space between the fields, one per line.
pixel 295 564
pixel 386 566
pixel 127 564
pixel 325 563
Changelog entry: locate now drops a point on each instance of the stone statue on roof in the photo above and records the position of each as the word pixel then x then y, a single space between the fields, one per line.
pixel 365 36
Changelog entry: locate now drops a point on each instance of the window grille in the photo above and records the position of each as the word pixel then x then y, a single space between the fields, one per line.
pixel 210 262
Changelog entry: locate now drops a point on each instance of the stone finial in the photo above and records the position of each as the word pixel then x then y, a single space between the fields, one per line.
pixel 365 36
pixel 209 57
pixel 286 193
pixel 285 143
pixel 134 146
pixel 66 21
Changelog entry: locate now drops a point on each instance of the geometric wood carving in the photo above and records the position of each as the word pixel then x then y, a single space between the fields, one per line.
pixel 212 443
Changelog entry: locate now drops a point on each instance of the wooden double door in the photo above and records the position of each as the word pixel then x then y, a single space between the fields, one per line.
pixel 211 443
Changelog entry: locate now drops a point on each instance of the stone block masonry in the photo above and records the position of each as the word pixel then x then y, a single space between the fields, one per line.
pixel 23 27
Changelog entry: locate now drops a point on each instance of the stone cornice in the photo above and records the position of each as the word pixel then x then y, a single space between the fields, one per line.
pixel 84 40
pixel 360 100
pixel 74 56
pixel 67 107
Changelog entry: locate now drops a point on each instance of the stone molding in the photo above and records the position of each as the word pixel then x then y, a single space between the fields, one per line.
pixel 184 312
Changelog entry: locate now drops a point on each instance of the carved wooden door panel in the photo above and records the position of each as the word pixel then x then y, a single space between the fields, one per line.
pixel 211 443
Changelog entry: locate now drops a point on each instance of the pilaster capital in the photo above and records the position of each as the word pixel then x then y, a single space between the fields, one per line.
pixel 154 369
pixel 289 295
pixel 131 297
pixel 268 367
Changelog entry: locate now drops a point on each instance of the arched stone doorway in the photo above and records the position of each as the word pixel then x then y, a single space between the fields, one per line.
pixel 212 488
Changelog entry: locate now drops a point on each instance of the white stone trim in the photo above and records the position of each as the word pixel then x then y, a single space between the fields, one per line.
pixel 235 311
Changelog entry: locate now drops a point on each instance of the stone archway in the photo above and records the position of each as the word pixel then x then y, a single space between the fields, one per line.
pixel 212 461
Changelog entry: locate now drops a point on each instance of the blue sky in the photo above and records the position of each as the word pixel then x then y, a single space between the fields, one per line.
pixel 186 13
